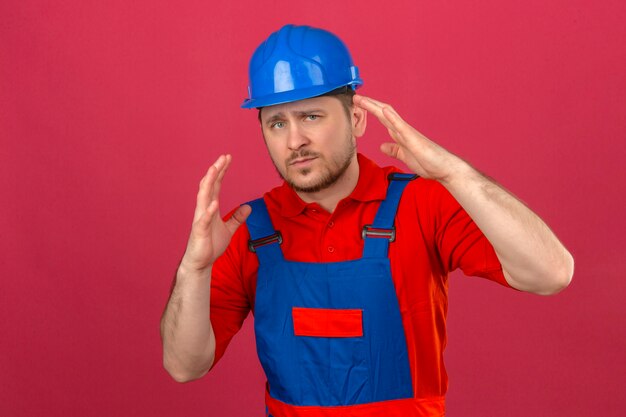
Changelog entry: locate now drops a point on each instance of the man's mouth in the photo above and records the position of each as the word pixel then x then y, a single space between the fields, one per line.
pixel 301 158
pixel 302 161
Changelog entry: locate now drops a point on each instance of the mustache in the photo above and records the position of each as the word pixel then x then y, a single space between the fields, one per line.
pixel 305 153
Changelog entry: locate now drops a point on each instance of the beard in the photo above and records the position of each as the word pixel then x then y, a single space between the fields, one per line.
pixel 330 170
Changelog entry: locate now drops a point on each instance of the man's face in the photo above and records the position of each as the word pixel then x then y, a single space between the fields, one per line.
pixel 310 141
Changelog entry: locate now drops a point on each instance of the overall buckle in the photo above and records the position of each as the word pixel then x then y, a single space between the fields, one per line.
pixel 377 232
pixel 275 237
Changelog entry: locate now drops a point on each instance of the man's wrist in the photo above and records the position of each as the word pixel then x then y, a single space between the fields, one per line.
pixel 458 173
pixel 185 270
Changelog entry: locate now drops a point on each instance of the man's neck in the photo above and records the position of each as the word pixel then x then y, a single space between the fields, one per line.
pixel 329 197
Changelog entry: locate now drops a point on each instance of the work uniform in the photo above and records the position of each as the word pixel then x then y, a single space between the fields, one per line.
pixel 334 335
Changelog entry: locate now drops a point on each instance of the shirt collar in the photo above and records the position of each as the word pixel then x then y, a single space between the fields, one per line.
pixel 371 186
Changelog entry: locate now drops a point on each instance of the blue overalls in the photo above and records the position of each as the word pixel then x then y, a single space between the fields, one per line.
pixel 331 334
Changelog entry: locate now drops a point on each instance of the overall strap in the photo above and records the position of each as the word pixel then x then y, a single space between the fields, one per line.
pixel 379 234
pixel 264 240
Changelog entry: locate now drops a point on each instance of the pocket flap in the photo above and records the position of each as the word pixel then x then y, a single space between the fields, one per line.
pixel 325 322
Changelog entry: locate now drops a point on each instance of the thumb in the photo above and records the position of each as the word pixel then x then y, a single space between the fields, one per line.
pixel 239 216
pixel 391 149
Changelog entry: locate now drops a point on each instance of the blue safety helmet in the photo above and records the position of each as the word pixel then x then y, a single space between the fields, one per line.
pixel 296 63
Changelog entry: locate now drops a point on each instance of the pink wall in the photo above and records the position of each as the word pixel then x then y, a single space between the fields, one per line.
pixel 110 112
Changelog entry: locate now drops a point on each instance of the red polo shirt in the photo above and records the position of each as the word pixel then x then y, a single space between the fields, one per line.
pixel 434 236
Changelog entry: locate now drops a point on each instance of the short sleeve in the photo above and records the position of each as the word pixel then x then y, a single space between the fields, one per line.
pixel 461 244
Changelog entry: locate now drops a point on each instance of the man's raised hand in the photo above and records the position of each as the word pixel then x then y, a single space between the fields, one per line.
pixel 210 235
pixel 420 154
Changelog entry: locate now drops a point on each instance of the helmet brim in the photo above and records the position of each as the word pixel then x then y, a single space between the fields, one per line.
pixel 294 95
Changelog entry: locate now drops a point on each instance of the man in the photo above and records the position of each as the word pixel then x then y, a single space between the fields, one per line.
pixel 345 265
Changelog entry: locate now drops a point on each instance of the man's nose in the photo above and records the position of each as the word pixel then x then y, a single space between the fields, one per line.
pixel 297 137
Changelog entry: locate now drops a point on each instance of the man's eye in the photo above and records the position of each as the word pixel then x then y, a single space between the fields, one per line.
pixel 278 125
pixel 312 116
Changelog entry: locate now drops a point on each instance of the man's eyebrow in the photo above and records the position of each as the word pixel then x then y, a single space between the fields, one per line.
pixel 308 111
pixel 281 115
pixel 275 117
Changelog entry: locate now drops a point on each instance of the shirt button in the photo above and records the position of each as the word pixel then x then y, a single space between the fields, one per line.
pixel 331 249
pixel 331 224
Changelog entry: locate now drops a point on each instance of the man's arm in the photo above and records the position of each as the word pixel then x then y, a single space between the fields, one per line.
pixel 532 257
pixel 186 331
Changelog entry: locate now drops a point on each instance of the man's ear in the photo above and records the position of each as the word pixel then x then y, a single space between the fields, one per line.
pixel 359 120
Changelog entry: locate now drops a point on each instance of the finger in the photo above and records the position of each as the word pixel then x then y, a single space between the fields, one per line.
pixel 390 114
pixel 239 216
pixel 222 170
pixel 372 103
pixel 391 119
pixel 360 98
pixel 223 166
pixel 384 108
pixel 205 192
pixel 391 149
pixel 377 108
pixel 219 165
pixel 204 222
pixel 202 198
pixel 399 125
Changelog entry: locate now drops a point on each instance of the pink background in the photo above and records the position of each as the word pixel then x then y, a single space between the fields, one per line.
pixel 111 111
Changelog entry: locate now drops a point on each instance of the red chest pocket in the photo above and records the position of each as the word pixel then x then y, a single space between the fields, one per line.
pixel 323 322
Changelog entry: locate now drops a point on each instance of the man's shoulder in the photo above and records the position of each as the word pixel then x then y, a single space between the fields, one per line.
pixel 420 185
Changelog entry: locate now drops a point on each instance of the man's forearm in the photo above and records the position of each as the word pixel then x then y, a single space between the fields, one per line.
pixel 532 257
pixel 188 339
